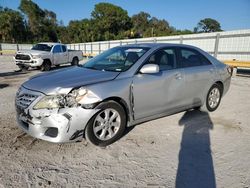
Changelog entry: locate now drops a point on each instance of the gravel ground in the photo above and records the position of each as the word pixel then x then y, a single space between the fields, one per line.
pixel 189 149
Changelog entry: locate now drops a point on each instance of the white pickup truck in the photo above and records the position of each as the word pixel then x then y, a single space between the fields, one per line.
pixel 46 55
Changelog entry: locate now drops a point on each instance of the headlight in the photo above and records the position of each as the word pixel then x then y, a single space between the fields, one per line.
pixel 36 56
pixel 50 102
pixel 81 96
pixel 76 97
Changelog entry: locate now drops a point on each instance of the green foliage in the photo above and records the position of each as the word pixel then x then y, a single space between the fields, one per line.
pixel 110 21
pixel 107 22
pixel 12 26
pixel 41 23
pixel 146 26
pixel 207 25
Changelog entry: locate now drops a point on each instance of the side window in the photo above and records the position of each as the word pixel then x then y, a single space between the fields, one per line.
pixel 165 58
pixel 192 58
pixel 64 49
pixel 57 49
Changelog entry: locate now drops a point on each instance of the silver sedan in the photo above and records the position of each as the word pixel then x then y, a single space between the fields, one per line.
pixel 121 87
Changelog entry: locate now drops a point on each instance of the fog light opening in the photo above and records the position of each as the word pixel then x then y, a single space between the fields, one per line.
pixel 51 132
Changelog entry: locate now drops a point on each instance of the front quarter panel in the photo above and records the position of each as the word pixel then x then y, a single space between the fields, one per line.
pixel 118 88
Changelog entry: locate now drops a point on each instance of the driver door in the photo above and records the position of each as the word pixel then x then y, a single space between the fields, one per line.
pixel 159 92
pixel 58 55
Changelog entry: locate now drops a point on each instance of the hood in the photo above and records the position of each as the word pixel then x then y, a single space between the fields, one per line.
pixel 66 79
pixel 33 52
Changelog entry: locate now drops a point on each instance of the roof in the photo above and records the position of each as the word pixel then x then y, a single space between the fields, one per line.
pixel 50 43
pixel 156 45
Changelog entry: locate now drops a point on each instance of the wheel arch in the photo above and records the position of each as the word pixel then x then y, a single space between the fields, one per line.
pixel 122 102
pixel 220 83
pixel 47 60
pixel 75 57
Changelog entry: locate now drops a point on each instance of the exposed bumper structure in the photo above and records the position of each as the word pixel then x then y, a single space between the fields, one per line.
pixel 56 125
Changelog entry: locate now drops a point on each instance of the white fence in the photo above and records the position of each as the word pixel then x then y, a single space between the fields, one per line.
pixel 5 46
pixel 226 45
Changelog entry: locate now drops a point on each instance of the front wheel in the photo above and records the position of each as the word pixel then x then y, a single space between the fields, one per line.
pixel 46 66
pixel 213 98
pixel 23 68
pixel 107 125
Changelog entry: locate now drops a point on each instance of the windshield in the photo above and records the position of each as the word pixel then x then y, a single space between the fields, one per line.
pixel 117 59
pixel 42 47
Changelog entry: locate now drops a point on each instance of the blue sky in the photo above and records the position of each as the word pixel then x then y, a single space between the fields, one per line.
pixel 182 14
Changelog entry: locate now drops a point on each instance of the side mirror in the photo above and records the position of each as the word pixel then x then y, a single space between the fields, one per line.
pixel 150 69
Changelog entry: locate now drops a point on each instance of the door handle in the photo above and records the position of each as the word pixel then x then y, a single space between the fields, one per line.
pixel 178 76
pixel 211 70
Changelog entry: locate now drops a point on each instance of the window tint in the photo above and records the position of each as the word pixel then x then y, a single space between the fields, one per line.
pixel 165 58
pixel 57 49
pixel 64 49
pixel 42 47
pixel 191 58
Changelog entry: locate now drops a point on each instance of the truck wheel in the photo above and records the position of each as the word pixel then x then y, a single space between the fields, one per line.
pixel 23 68
pixel 107 125
pixel 46 66
pixel 75 61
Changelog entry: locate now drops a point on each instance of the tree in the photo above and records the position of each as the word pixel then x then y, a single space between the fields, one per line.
pixel 146 26
pixel 159 27
pixel 110 21
pixel 207 25
pixel 12 26
pixel 140 23
pixel 41 23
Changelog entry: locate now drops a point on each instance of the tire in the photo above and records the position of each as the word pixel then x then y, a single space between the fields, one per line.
pixel 213 99
pixel 111 119
pixel 23 68
pixel 75 61
pixel 46 66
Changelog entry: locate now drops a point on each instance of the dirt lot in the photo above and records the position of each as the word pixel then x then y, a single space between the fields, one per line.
pixel 189 149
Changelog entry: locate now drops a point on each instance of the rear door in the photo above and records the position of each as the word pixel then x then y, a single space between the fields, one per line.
pixel 199 75
pixel 160 92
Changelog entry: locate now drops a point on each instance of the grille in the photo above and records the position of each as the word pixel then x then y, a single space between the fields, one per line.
pixel 24 100
pixel 22 57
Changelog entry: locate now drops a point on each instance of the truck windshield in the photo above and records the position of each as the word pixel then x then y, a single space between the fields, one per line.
pixel 42 47
pixel 117 59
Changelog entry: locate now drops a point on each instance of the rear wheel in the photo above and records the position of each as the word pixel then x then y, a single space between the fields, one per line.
pixel 106 126
pixel 75 61
pixel 213 98
pixel 46 66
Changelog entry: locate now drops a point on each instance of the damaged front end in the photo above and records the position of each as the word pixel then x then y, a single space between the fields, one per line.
pixel 61 117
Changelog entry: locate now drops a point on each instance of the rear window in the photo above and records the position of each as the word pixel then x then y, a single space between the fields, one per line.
pixel 64 49
pixel 192 58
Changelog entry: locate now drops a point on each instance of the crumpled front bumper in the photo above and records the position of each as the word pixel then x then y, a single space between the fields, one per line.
pixel 55 125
